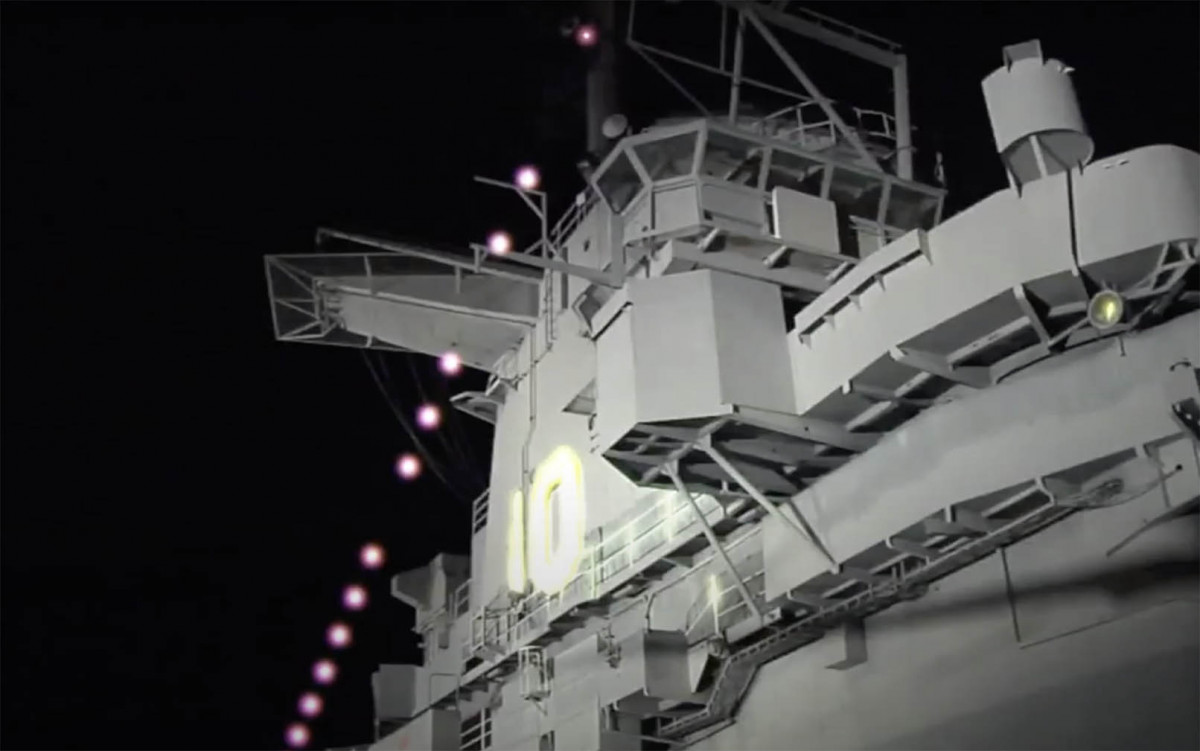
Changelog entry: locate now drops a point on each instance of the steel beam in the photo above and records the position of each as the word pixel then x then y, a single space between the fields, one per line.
pixel 904 148
pixel 672 470
pixel 936 365
pixel 811 88
pixel 800 525
pixel 849 45
pixel 809 429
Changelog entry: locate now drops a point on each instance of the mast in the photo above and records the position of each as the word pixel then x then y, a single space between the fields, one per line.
pixel 602 75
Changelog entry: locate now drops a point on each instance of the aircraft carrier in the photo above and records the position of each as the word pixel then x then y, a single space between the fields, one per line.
pixel 786 459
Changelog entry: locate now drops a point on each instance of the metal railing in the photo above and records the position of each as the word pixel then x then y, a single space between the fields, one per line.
pixel 479 512
pixel 571 219
pixel 807 124
pixel 606 564
pixel 460 601
pixel 476 732
pixel 719 604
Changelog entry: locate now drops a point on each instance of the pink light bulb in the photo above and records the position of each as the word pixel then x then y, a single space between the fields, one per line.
pixel 499 243
pixel 586 35
pixel 354 597
pixel 325 672
pixel 297 735
pixel 408 466
pixel 527 178
pixel 371 555
pixel 450 364
pixel 338 636
pixel 429 416
pixel 310 704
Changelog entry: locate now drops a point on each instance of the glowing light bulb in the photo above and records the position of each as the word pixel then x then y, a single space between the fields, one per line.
pixel 450 364
pixel 499 243
pixel 527 178
pixel 310 705
pixel 338 636
pixel 325 672
pixel 371 555
pixel 429 416
pixel 354 597
pixel 297 735
pixel 586 35
pixel 1105 309
pixel 408 466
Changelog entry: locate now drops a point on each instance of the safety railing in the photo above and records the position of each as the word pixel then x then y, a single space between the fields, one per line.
pixel 719 603
pixel 479 512
pixel 808 125
pixel 607 563
pixel 476 732
pixel 460 601
pixel 571 219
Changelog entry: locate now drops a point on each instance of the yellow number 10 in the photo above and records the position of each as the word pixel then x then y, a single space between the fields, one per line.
pixel 545 534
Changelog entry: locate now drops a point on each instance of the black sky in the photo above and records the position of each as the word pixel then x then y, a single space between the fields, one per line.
pixel 183 497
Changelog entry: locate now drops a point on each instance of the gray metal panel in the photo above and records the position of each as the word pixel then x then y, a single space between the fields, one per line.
pixel 754 366
pixel 804 220
pixel 675 356
pixel 480 341
pixel 1136 200
pixel 1052 417
pixel 939 678
pixel 616 385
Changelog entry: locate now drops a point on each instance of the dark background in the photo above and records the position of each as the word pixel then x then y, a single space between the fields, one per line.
pixel 183 497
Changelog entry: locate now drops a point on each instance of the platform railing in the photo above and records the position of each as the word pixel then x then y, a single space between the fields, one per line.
pixel 605 565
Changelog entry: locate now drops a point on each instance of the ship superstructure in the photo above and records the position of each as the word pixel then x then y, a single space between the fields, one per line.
pixel 784 460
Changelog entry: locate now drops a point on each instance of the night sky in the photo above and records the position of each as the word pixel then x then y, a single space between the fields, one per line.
pixel 183 497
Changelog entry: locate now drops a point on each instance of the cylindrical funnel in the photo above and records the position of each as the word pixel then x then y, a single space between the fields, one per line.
pixel 1035 116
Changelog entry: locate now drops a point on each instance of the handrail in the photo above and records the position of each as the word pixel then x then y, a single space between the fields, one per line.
pixel 536 607
pixel 479 511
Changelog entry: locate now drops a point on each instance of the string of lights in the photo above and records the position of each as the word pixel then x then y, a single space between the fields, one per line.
pixel 339 635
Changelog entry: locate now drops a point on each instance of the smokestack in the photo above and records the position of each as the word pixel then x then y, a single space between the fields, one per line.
pixel 602 76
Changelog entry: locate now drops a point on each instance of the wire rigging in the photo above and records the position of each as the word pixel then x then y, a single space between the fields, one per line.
pixel 461 445
pixel 430 461
pixel 459 432
pixel 449 443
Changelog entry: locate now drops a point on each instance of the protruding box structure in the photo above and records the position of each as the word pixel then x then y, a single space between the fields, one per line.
pixel 1035 115
pixel 688 347
pixel 432 586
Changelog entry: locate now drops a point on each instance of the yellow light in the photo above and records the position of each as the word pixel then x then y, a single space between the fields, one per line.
pixel 667 505
pixel 1105 309
pixel 554 549
pixel 516 542
pixel 714 597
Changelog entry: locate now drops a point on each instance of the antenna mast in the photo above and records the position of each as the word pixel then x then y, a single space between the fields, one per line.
pixel 602 75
